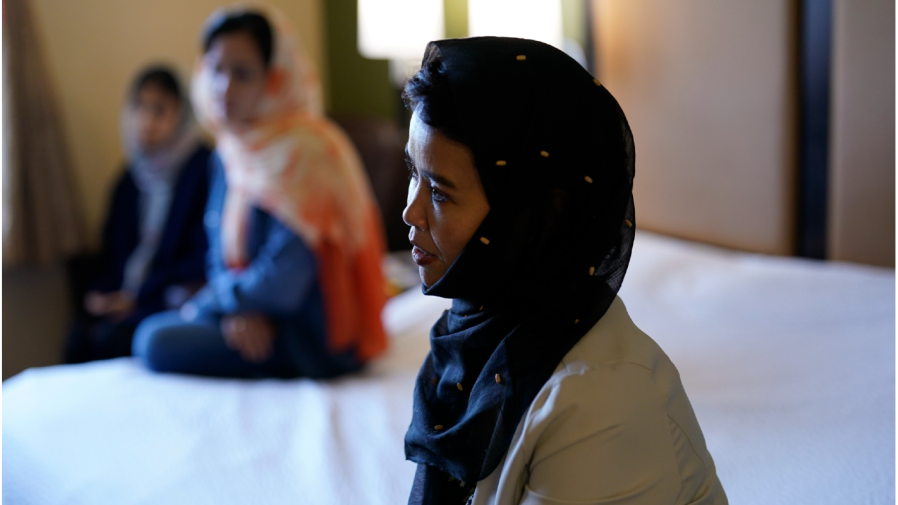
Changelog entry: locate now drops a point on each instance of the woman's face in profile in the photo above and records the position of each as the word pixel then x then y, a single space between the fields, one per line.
pixel 239 77
pixel 446 201
pixel 156 114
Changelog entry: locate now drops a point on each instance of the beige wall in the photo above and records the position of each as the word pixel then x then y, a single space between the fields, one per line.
pixel 92 49
pixel 862 134
pixel 709 90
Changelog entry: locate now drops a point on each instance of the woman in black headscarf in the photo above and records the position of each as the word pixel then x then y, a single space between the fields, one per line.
pixel 538 388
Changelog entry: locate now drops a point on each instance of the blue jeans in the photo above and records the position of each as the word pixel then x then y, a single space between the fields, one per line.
pixel 166 342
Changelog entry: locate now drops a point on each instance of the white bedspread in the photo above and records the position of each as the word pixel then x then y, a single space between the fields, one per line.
pixel 790 366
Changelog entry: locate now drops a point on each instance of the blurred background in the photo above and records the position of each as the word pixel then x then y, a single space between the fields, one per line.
pixel 760 126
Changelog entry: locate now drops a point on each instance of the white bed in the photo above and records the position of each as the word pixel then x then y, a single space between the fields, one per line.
pixel 790 365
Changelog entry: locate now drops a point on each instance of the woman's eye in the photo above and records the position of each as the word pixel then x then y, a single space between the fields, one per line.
pixel 437 195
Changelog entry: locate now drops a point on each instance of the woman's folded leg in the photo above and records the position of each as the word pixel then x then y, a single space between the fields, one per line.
pixel 166 342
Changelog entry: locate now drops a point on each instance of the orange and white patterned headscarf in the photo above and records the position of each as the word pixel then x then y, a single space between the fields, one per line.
pixel 300 167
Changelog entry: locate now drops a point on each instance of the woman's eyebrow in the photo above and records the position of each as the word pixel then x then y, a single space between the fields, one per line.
pixel 427 173
pixel 439 178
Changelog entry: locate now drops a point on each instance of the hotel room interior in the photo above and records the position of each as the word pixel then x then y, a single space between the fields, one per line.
pixel 763 263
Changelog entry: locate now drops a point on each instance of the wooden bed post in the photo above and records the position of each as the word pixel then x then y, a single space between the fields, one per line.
pixel 814 74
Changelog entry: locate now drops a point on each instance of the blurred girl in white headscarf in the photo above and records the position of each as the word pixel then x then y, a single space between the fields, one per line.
pixel 154 245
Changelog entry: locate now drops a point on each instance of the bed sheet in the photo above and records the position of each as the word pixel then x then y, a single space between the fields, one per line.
pixel 112 432
pixel 789 365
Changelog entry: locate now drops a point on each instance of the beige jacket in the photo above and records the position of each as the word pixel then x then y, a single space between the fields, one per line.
pixel 612 425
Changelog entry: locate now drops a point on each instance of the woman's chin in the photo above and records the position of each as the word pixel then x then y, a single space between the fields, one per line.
pixel 428 276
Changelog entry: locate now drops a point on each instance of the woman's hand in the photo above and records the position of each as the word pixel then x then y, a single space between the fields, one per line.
pixel 95 303
pixel 118 305
pixel 252 335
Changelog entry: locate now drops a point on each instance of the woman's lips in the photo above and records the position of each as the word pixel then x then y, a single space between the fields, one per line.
pixel 421 257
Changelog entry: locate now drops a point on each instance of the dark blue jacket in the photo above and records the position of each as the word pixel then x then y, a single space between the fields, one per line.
pixel 180 258
pixel 280 282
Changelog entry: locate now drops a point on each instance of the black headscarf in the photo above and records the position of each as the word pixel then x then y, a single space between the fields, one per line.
pixel 555 155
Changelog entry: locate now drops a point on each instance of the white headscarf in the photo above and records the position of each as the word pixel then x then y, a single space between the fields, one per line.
pixel 155 173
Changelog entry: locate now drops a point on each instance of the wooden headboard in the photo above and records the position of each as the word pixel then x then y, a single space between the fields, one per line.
pixel 711 90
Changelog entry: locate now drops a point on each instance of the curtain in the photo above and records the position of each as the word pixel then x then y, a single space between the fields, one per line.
pixel 42 219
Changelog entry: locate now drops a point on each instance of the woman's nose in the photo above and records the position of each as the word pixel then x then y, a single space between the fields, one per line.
pixel 414 214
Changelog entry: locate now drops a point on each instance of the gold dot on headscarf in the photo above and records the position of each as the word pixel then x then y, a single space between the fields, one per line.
pixel 498 379
pixel 628 223
pixel 522 57
pixel 459 386
pixel 438 427
pixel 481 307
pixel 544 154
pixel 500 163
pixel 592 270
pixel 433 380
pixel 485 240
pixel 588 179
pixel 576 321
pixel 597 82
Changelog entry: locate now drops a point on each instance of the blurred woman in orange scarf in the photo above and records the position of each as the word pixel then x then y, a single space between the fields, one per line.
pixel 294 280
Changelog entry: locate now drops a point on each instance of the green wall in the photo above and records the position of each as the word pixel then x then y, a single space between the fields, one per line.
pixel 357 86
pixel 456 17
pixel 573 20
